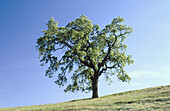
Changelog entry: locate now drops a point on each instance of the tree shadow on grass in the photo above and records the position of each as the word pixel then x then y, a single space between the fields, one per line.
pixel 81 99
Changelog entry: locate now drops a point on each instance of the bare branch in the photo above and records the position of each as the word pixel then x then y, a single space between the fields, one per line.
pixel 68 45
pixel 60 48
pixel 104 69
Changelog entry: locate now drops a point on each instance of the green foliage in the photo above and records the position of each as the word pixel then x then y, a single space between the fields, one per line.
pixel 89 50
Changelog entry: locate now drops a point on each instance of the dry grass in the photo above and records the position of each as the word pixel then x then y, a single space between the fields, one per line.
pixel 151 99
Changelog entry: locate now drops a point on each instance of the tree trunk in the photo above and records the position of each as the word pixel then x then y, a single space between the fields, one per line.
pixel 95 88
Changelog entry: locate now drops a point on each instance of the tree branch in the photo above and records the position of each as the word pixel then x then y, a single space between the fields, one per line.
pixel 108 52
pixel 60 48
pixel 68 45
pixel 104 69
pixel 115 40
pixel 87 64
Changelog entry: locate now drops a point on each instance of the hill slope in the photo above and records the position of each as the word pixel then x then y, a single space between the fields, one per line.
pixel 157 98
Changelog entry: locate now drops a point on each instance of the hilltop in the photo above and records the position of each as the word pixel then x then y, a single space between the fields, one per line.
pixel 156 98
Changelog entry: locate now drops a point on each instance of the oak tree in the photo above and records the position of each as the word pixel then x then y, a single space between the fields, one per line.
pixel 88 51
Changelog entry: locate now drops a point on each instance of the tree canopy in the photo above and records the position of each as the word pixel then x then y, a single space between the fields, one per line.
pixel 88 51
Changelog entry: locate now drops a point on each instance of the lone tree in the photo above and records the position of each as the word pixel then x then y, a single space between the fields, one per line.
pixel 87 50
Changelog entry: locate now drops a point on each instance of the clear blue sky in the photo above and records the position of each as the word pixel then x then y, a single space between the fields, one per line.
pixel 22 80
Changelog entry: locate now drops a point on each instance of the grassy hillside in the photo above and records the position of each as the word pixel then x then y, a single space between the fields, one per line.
pixel 157 98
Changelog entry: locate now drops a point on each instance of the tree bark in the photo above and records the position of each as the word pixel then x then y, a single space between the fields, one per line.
pixel 95 88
